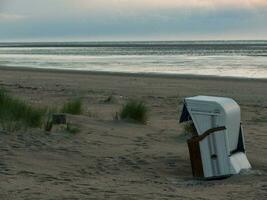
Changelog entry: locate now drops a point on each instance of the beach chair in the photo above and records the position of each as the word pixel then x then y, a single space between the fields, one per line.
pixel 217 149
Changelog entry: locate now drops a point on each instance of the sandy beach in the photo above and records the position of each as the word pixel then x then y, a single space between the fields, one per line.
pixel 112 159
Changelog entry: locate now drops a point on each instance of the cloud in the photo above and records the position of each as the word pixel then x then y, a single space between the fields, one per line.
pixel 6 17
pixel 163 4
pixel 132 18
pixel 65 8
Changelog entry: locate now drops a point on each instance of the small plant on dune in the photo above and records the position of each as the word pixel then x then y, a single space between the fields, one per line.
pixel 108 99
pixel 111 99
pixel 73 107
pixel 48 122
pixel 72 128
pixel 190 129
pixel 134 110
pixel 15 113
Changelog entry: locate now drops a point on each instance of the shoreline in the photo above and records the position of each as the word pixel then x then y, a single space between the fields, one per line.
pixel 83 43
pixel 128 74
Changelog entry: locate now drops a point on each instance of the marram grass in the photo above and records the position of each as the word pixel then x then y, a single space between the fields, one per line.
pixel 73 107
pixel 134 110
pixel 16 113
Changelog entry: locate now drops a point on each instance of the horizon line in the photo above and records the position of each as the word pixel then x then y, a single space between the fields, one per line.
pixel 100 41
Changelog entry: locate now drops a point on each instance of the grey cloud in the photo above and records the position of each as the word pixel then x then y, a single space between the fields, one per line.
pixel 52 19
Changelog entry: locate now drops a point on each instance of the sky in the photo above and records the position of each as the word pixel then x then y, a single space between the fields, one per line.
pixel 122 20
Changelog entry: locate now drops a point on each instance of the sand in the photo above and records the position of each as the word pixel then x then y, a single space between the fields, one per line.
pixel 112 159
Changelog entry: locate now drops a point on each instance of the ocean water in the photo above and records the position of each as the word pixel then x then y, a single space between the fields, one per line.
pixel 218 58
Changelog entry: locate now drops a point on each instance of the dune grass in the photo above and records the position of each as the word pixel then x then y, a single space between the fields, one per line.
pixel 134 110
pixel 72 128
pixel 190 129
pixel 73 107
pixel 16 113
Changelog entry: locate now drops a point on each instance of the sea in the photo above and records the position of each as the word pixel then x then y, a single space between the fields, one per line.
pixel 247 59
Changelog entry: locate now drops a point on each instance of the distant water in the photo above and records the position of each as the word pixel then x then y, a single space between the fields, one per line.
pixel 219 58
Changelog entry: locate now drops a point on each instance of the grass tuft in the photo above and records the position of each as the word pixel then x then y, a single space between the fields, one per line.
pixel 73 107
pixel 72 129
pixel 190 129
pixel 15 113
pixel 134 110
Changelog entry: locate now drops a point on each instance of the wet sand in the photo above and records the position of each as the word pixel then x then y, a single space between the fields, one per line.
pixel 112 159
